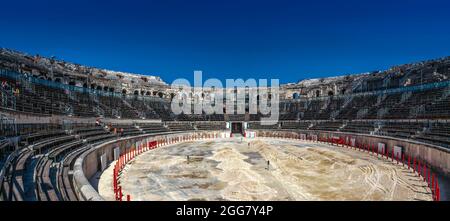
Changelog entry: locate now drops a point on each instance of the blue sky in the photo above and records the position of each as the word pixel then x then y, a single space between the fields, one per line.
pixel 289 40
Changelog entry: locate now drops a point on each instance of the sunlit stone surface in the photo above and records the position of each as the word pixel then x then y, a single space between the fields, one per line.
pixel 237 169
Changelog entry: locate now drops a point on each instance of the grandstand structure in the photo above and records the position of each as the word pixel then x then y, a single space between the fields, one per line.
pixel 55 116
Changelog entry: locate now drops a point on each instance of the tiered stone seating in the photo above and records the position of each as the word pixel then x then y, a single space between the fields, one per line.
pixel 401 129
pixel 116 103
pixel 302 125
pixel 191 117
pixel 236 117
pixel 259 126
pixel 358 103
pixel 152 127
pixel 128 130
pixel 362 127
pixel 210 125
pixel 333 104
pixel 142 106
pixel 403 109
pixel 327 125
pixel 179 126
pixel 288 116
pixel 437 109
pixel 438 134
pixel 312 110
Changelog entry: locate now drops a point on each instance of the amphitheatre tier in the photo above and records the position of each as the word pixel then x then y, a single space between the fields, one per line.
pixel 236 169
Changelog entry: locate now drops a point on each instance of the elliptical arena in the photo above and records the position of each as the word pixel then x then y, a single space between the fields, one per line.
pixel 71 132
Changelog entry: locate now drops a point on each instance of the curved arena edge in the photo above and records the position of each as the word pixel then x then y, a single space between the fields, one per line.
pixel 89 163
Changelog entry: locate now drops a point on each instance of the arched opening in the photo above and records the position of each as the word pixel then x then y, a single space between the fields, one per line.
pixel 124 91
pixel 142 92
pixel 172 95
pixel 160 94
pixel 330 93
pixel 111 89
pixel 105 88
pixel 92 86
pixel 155 93
pixel 85 85
pixel 343 91
pixel 148 93
pixel 136 92
pixel 295 96
pixel 317 93
pixel 99 88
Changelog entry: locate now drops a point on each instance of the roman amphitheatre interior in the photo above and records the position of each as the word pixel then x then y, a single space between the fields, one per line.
pixel 76 133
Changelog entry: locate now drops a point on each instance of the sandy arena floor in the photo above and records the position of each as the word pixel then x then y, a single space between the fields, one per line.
pixel 228 169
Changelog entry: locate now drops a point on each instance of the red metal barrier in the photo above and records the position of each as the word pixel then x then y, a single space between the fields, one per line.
pixel 424 172
pixel 429 177
pixel 392 155
pixel 409 162
pixel 432 183
pixel 437 194
pixel 120 193
pixel 419 168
